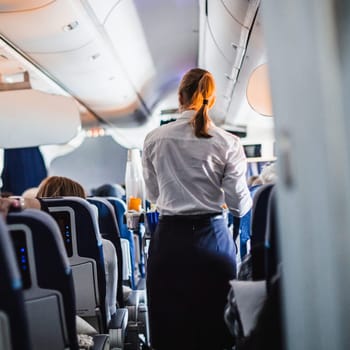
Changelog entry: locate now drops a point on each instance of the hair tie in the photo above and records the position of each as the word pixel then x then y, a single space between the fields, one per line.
pixel 205 101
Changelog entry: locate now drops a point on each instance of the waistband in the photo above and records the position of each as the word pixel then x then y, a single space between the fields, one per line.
pixel 192 218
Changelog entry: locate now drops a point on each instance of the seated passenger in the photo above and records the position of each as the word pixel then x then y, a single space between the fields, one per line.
pixel 7 204
pixel 30 192
pixel 58 186
pixel 109 190
pixel 253 180
pixel 268 174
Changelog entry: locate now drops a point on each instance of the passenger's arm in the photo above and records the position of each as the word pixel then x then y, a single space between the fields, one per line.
pixel 234 183
pixel 6 204
pixel 17 204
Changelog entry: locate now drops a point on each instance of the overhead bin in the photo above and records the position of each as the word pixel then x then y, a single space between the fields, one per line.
pixel 30 118
pixel 224 32
pixel 84 47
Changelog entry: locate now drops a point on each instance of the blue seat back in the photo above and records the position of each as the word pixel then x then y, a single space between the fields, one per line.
pixel 81 236
pixel 109 229
pixel 14 334
pixel 47 279
pixel 258 230
pixel 120 209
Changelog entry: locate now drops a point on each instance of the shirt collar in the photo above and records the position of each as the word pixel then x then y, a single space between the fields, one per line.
pixel 188 114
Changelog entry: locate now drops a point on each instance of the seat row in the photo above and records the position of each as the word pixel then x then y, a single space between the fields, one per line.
pixel 253 313
pixel 60 260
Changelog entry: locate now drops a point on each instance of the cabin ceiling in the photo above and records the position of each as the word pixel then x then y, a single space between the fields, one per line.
pixel 120 58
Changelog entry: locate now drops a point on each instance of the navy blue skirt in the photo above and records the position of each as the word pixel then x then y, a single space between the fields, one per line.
pixel 191 260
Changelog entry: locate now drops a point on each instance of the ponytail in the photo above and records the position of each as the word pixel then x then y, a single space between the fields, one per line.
pixel 201 122
pixel 198 89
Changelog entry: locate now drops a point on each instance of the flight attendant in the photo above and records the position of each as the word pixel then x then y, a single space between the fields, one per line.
pixel 191 168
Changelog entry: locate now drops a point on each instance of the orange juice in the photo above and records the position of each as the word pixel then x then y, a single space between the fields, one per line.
pixel 134 203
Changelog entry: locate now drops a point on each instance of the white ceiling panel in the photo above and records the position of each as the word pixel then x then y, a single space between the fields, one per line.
pixel 135 49
pixel 43 29
pixel 88 59
pixel 97 81
pixel 103 8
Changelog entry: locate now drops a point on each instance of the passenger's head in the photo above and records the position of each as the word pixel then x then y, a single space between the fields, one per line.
pixel 30 193
pixel 109 190
pixel 268 174
pixel 58 186
pixel 197 92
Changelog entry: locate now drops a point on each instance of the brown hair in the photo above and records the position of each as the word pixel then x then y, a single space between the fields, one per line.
pixel 197 92
pixel 58 186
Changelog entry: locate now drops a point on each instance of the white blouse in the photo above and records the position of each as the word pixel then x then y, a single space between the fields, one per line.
pixel 186 175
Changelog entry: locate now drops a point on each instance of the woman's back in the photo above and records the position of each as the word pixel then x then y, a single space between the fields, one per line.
pixel 190 170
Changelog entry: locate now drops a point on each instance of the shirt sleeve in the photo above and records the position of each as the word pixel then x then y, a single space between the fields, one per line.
pixel 234 183
pixel 150 177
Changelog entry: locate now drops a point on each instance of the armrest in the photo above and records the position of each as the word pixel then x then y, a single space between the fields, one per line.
pixel 101 342
pixel 132 304
pixel 117 327
pixel 119 319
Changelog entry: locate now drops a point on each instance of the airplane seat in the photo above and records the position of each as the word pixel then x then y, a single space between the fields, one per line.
pixel 109 230
pixel 253 313
pixel 79 229
pixel 14 331
pixel 258 230
pixel 120 209
pixel 135 299
pixel 47 279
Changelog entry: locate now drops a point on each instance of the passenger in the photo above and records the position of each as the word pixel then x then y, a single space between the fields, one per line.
pixel 191 167
pixel 268 174
pixel 109 190
pixel 7 204
pixel 253 180
pixel 58 186
pixel 30 192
